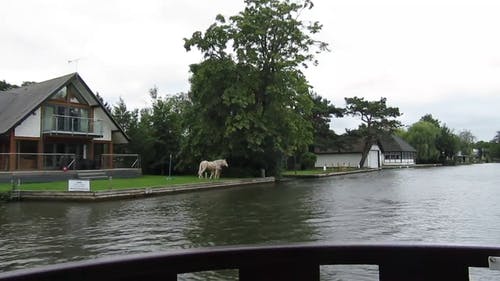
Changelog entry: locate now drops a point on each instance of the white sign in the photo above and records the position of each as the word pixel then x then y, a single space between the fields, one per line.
pixel 78 185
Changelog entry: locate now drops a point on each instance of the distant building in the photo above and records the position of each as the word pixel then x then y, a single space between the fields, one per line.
pixel 348 155
pixel 397 152
pixel 388 151
pixel 57 124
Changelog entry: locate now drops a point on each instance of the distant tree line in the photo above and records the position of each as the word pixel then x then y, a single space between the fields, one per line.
pixel 435 142
pixel 4 86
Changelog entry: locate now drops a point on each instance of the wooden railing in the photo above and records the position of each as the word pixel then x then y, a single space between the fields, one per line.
pixel 290 262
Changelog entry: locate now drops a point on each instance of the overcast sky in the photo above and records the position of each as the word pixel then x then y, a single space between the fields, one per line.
pixel 425 56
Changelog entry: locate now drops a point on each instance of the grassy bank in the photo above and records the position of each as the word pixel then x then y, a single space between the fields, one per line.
pixel 97 185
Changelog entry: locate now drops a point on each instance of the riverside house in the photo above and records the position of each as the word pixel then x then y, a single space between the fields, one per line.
pixel 389 151
pixel 59 127
pixel 348 155
pixel 397 152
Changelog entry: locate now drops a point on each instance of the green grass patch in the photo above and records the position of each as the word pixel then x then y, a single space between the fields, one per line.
pixel 318 171
pixel 97 185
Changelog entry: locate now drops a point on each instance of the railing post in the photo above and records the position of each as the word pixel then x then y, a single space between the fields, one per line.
pixel 111 166
pixel 39 157
pixel 12 151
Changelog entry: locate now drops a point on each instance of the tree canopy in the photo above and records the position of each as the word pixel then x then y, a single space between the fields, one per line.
pixel 250 101
pixel 423 135
pixel 4 86
pixel 378 119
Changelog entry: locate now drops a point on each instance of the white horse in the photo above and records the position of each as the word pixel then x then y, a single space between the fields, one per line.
pixel 215 168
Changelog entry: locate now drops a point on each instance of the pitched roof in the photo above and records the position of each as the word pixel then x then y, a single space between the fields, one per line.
pixel 16 104
pixel 393 143
pixel 387 143
pixel 352 146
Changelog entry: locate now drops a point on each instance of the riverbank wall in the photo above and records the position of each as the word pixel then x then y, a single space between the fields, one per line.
pixel 332 174
pixel 412 166
pixel 26 195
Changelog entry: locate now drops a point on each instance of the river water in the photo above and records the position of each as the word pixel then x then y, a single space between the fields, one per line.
pixel 437 205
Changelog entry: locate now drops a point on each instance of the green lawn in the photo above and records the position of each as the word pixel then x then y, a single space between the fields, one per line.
pixel 317 171
pixel 96 185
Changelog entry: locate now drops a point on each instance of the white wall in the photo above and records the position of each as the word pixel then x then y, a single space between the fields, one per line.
pixel 335 160
pixel 373 160
pixel 399 162
pixel 106 124
pixel 30 127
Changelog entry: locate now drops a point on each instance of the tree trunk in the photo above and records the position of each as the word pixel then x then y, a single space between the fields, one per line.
pixel 366 150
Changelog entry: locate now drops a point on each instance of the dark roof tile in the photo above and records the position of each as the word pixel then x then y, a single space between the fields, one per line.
pixel 16 104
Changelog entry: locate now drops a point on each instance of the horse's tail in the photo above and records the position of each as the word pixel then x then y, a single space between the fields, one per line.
pixel 201 169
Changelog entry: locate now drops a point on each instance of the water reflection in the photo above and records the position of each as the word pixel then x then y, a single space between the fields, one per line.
pixel 443 205
pixel 249 216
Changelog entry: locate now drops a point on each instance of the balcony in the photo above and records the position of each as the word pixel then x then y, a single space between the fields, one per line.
pixel 71 125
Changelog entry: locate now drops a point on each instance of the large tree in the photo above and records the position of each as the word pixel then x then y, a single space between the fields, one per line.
pixel 377 119
pixel 447 143
pixel 124 117
pixel 423 135
pixel 467 140
pixel 166 127
pixel 155 132
pixel 429 118
pixel 496 138
pixel 494 148
pixel 250 100
pixel 322 113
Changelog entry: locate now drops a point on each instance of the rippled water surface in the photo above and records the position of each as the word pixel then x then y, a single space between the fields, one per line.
pixel 438 205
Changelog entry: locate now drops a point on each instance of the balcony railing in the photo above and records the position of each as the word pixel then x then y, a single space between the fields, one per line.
pixel 113 161
pixel 290 262
pixel 66 161
pixel 70 125
pixel 38 161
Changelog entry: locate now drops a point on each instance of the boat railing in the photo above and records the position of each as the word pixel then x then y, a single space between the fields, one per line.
pixel 288 262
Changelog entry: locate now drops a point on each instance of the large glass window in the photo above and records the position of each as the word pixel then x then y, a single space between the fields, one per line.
pixel 66 118
pixel 69 94
pixel 61 94
pixel 74 96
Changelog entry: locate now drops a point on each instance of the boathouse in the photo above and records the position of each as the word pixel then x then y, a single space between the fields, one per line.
pixel 388 151
pixel 348 155
pixel 57 128
pixel 396 151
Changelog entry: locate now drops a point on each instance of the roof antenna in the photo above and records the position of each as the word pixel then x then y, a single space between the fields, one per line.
pixel 76 63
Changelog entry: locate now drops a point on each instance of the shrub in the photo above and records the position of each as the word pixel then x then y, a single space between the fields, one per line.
pixel 308 159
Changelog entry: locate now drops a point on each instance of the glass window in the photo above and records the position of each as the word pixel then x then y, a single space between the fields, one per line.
pixel 74 96
pixel 61 94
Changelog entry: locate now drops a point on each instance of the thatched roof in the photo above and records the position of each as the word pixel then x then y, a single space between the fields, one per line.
pixel 387 143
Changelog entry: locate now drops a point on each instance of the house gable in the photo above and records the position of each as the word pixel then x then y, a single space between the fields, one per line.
pixel 18 106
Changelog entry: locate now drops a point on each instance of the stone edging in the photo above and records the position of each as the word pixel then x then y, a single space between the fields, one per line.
pixel 335 173
pixel 134 192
